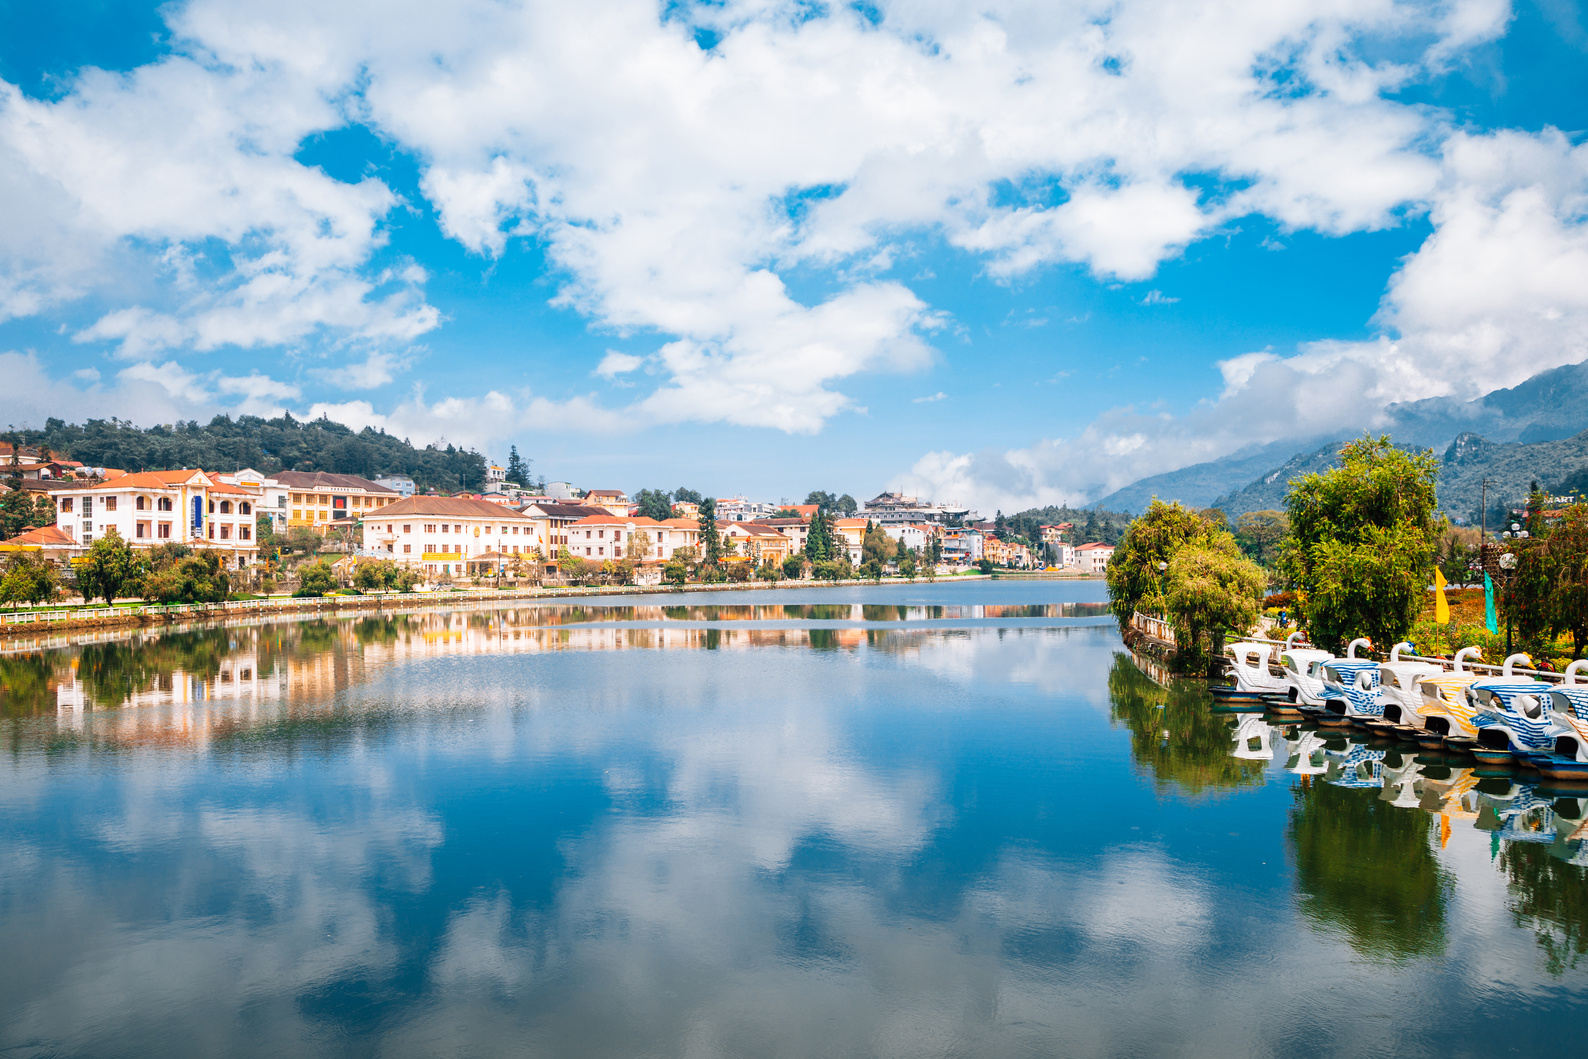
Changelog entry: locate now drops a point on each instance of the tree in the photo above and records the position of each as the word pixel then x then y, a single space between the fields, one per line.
pixel 907 566
pixel 710 540
pixel 639 547
pixel 654 503
pixel 793 566
pixel 21 511
pixel 315 579
pixel 1210 588
pixel 384 575
pixel 846 506
pixel 687 495
pixel 1260 534
pixel 877 545
pixel 110 569
pixel 29 578
pixel 179 575
pixel 1362 542
pixel 1135 573
pixel 769 571
pixel 517 467
pixel 819 541
pixel 824 501
pixel 675 572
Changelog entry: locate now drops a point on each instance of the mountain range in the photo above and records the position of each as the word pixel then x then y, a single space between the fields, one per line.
pixel 1535 431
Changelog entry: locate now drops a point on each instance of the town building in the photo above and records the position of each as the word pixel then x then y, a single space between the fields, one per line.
pixel 50 542
pixel 961 547
pixel 440 534
pixel 1055 534
pixel 755 542
pixel 163 507
pixel 318 498
pixel 551 521
pixel 495 478
pixel 685 509
pixel 916 537
pixel 889 509
pixel 614 500
pixel 797 530
pixel 562 491
pixel 852 532
pixel 400 484
pixel 1093 558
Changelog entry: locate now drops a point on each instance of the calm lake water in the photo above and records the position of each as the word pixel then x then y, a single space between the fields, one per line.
pixel 905 821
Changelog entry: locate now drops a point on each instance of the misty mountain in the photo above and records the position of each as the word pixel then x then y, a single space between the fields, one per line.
pixel 1552 406
pixel 1511 468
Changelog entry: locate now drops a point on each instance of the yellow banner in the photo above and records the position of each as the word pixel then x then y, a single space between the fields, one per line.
pixel 1441 604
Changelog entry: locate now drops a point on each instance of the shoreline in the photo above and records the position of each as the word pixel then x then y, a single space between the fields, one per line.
pixel 31 623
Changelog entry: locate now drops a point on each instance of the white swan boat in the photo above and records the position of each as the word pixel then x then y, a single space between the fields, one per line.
pixel 1351 688
pixel 1510 716
pixel 1402 698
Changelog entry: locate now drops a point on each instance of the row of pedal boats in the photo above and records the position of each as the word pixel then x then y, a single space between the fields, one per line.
pixel 1499 719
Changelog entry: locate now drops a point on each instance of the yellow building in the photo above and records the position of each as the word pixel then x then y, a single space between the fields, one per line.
pixel 317 498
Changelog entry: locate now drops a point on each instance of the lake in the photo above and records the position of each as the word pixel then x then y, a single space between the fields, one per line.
pixel 910 820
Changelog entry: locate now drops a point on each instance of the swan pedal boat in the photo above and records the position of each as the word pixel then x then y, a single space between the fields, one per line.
pixel 1350 688
pixel 1402 697
pixel 1568 715
pixel 1510 717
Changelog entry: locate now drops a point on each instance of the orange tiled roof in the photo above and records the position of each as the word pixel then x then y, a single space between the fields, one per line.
pixel 44 537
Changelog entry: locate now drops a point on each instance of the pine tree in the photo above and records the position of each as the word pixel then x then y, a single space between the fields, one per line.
pixel 517 467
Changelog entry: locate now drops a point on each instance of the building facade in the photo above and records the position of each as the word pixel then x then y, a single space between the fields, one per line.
pixel 1093 558
pixel 164 507
pixel 440 534
pixel 315 499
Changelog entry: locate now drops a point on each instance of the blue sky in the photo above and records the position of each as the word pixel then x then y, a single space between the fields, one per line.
pixel 1010 254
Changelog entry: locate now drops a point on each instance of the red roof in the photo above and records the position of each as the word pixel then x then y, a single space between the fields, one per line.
pixel 1093 546
pixel 43 537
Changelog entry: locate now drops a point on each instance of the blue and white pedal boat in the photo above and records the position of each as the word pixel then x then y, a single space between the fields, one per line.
pixel 1351 688
pixel 1511 717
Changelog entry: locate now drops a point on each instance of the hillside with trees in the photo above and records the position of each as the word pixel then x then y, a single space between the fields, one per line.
pixel 268 445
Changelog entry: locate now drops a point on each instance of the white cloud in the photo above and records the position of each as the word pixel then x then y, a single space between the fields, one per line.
pixel 676 189
pixel 616 363
pixel 378 368
pixel 659 176
pixel 476 422
pixel 939 396
pixel 1158 297
pixel 1498 293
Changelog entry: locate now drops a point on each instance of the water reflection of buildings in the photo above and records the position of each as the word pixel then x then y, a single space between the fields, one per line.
pixel 201 684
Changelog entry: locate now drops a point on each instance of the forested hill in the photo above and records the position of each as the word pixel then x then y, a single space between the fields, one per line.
pixel 1091 524
pixel 284 444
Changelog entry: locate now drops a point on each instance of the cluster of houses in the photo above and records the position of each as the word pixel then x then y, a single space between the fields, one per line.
pixel 501 532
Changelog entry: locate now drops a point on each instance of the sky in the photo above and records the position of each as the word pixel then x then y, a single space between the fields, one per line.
pixel 1005 254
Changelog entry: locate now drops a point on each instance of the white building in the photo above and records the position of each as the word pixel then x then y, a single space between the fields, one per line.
pixel 400 484
pixel 439 534
pixel 893 509
pixel 1093 558
pixel 915 537
pixel 164 507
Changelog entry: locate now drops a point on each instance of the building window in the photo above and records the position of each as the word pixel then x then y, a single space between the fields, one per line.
pixel 212 507
pixel 445 527
pixel 407 548
pixel 88 506
pixel 212 531
pixel 165 529
pixel 163 504
pixel 408 529
pixel 247 532
pixel 245 508
pixel 66 504
pixel 226 532
pixel 141 530
pixel 110 503
pixel 297 515
pixel 457 529
pixel 137 504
